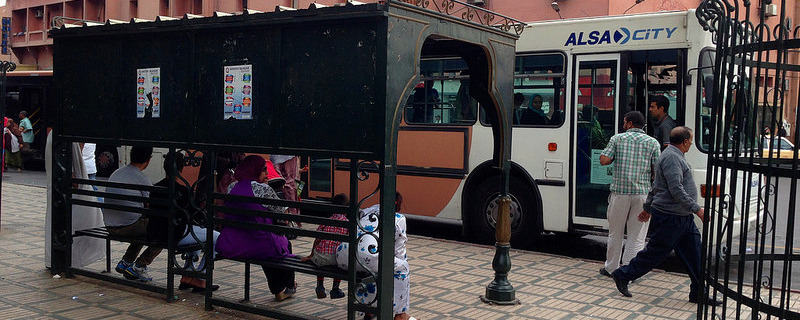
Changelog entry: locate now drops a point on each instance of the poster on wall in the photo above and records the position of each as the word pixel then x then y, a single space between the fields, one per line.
pixel 600 174
pixel 148 93
pixel 237 93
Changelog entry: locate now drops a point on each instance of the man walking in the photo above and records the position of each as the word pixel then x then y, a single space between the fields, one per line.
pixel 131 224
pixel 664 123
pixel 633 154
pixel 26 128
pixel 671 204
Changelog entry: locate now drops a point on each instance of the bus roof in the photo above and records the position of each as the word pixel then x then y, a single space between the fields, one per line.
pixel 615 33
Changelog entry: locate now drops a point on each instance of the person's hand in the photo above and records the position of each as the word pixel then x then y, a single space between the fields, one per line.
pixel 307 257
pixel 644 216
pixel 701 214
pixel 304 169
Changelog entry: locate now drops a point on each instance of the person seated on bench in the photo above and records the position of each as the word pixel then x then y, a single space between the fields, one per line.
pixel 324 252
pixel 131 224
pixel 233 242
pixel 369 258
pixel 157 228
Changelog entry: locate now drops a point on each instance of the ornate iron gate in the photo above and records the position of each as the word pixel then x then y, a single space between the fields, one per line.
pixel 751 94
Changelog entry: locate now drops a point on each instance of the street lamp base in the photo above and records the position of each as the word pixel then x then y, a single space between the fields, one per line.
pixel 503 302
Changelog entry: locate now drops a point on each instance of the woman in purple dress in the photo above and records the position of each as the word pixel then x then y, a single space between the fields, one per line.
pixel 233 242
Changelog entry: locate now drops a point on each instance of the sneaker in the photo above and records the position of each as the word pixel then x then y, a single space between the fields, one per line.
pixel 337 293
pixel 321 293
pixel 122 268
pixel 139 273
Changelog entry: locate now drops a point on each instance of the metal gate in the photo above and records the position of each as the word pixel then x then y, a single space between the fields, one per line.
pixel 751 94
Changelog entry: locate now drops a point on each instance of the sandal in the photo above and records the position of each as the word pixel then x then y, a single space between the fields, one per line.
pixel 285 294
pixel 196 284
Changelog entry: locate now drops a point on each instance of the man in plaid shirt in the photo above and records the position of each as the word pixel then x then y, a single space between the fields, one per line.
pixel 324 252
pixel 633 154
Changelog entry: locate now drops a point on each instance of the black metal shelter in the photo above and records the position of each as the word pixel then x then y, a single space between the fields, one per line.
pixel 751 187
pixel 327 81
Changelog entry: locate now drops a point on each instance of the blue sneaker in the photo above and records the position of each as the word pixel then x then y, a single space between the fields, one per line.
pixel 122 268
pixel 139 273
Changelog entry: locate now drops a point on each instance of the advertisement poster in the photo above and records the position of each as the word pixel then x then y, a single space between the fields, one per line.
pixel 237 93
pixel 148 93
pixel 600 174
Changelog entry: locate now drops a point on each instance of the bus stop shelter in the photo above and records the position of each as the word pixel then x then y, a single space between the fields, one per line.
pixel 323 81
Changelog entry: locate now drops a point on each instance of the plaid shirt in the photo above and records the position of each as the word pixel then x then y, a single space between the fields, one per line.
pixel 326 246
pixel 634 154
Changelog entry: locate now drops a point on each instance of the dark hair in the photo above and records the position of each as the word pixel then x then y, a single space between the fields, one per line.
pixel 170 157
pixel 636 118
pixel 398 201
pixel 679 135
pixel 519 98
pixel 24 113
pixel 661 101
pixel 141 154
pixel 340 199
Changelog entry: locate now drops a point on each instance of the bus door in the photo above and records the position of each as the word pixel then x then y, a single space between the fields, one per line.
pixel 596 108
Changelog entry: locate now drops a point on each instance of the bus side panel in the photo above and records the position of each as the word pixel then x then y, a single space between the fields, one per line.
pixel 424 196
pixel 433 149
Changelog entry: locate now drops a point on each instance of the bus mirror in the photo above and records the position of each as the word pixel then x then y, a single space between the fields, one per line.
pixel 708 89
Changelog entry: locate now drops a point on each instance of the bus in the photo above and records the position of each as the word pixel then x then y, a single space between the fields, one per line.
pixel 587 73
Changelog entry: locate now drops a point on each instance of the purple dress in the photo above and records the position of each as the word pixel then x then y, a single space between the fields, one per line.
pixel 236 242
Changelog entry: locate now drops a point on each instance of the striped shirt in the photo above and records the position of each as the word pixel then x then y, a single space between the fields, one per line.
pixel 634 154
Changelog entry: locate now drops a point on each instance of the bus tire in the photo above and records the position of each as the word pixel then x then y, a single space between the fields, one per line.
pixel 483 206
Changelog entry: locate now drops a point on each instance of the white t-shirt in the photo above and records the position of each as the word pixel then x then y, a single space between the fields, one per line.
pixel 131 175
pixel 88 158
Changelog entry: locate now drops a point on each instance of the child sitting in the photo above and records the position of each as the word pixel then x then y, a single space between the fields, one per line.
pixel 324 252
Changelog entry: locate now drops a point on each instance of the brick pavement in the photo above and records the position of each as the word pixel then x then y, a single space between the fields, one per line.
pixel 447 278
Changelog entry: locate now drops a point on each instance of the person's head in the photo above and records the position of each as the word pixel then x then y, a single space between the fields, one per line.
pixel 140 156
pixel 519 99
pixel 633 119
pixel 588 112
pixel 252 168
pixel 175 157
pixel 536 101
pixel 658 106
pixel 681 137
pixel 398 201
pixel 340 199
pixel 23 114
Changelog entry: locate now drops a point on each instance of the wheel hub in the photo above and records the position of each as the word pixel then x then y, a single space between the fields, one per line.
pixel 493 207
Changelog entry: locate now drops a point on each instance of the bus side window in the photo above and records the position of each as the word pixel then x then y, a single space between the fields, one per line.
pixel 442 97
pixel 539 90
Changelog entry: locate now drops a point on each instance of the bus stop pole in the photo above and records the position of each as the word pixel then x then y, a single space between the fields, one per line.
pixel 5 66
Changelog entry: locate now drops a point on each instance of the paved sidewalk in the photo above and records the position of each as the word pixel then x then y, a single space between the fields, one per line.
pixel 446 280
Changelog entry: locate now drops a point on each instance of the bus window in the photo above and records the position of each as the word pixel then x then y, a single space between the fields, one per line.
pixel 442 97
pixel 597 101
pixel 539 90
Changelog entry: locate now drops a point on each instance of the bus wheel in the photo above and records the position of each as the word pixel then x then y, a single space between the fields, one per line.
pixel 484 206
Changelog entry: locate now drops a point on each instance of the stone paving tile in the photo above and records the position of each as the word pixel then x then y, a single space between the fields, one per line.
pixel 447 279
